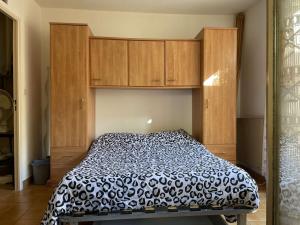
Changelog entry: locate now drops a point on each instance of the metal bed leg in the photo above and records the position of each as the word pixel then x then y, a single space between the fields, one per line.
pixel 242 219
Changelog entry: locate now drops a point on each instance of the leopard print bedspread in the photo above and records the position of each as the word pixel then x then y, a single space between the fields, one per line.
pixel 170 168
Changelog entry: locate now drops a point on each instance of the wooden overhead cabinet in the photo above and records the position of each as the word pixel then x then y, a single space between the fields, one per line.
pixel 183 63
pixel 214 119
pixel 108 62
pixel 118 62
pixel 72 102
pixel 146 63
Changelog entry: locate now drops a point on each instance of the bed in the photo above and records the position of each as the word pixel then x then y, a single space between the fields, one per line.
pixel 134 171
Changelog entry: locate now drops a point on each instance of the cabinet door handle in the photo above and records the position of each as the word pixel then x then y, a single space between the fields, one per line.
pixel 171 80
pixel 81 103
pixel 66 157
pixel 206 103
pixel 155 80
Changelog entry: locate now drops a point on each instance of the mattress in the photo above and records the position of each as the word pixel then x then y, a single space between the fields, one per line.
pixel 124 170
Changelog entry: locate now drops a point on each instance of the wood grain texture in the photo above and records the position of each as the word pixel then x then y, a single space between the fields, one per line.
pixel 90 120
pixel 142 39
pixel 72 102
pixel 61 156
pixel 227 152
pixel 108 62
pixel 182 63
pixel 146 87
pixel 146 63
pixel 63 160
pixel 219 86
pixel 214 105
pixel 240 24
pixel 57 171
pixel 69 24
pixel 68 69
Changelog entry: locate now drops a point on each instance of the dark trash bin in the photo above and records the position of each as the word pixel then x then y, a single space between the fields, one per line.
pixel 41 171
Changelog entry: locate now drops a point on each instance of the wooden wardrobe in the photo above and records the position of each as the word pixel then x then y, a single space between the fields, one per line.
pixel 80 63
pixel 214 103
pixel 72 101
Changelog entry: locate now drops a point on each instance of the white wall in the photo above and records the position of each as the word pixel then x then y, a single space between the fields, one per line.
pixel 253 68
pixel 159 105
pixel 252 90
pixel 142 110
pixel 29 14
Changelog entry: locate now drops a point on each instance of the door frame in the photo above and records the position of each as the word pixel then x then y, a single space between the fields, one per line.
pixel 16 98
pixel 272 148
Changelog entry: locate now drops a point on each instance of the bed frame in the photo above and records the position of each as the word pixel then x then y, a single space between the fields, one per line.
pixel 240 213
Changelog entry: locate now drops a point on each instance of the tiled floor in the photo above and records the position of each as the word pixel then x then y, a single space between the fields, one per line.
pixel 27 207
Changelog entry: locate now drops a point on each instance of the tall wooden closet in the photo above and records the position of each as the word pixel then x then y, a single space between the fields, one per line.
pixel 72 101
pixel 214 104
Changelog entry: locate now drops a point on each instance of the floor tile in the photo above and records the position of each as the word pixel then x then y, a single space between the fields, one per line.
pixel 28 206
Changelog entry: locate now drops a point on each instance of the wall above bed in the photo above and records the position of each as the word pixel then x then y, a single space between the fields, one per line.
pixel 143 111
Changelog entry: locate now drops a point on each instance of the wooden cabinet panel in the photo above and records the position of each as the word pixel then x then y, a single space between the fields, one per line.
pixel 68 85
pixel 214 104
pixel 227 152
pixel 182 63
pixel 72 101
pixel 57 171
pixel 146 63
pixel 219 86
pixel 108 62
pixel 67 156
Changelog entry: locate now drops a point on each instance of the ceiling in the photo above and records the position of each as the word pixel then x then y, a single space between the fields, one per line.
pixel 155 6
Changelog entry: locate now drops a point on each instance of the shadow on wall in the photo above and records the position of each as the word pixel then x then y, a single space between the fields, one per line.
pixel 32 92
pixel 250 143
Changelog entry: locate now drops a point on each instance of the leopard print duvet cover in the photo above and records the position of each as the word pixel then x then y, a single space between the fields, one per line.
pixel 170 168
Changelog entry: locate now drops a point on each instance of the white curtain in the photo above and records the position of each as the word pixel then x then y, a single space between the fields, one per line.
pixel 288 111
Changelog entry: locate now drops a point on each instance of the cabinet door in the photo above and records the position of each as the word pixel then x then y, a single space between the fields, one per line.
pixel 227 152
pixel 108 62
pixel 146 63
pixel 69 49
pixel 219 84
pixel 183 63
